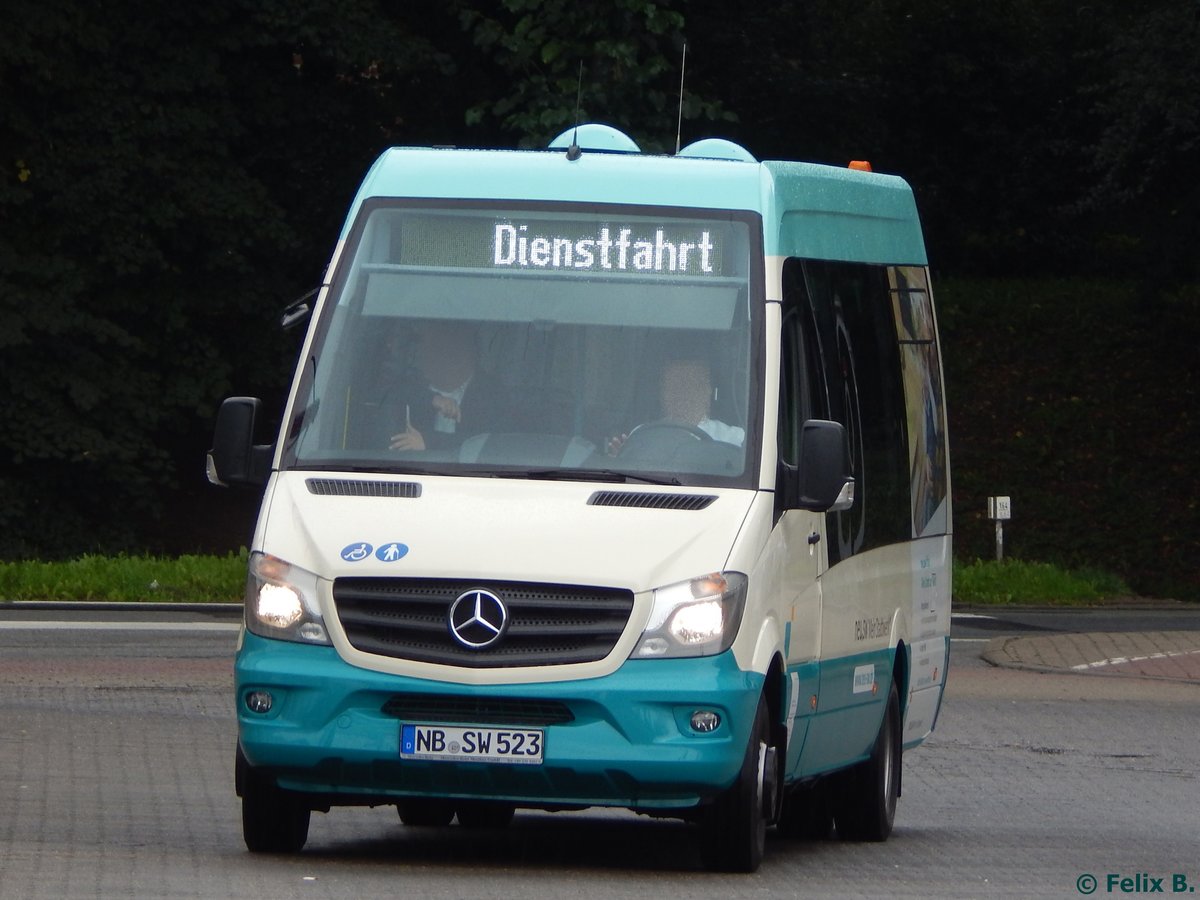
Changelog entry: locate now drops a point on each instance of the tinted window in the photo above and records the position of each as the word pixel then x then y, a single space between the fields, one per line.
pixel 856 332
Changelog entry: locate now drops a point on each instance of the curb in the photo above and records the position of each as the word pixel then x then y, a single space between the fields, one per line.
pixel 1126 605
pixel 1163 655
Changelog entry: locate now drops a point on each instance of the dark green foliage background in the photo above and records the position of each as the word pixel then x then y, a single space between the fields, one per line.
pixel 171 176
pixel 1066 395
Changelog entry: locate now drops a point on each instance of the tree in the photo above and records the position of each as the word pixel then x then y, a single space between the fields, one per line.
pixel 174 177
pixel 558 63
pixel 1148 99
pixel 978 106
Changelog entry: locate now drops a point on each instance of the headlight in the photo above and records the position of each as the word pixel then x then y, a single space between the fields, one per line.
pixel 699 617
pixel 281 601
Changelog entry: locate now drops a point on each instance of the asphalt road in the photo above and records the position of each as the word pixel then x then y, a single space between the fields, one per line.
pixel 116 752
pixel 986 622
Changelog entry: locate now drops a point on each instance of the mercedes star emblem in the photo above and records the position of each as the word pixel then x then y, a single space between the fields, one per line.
pixel 478 619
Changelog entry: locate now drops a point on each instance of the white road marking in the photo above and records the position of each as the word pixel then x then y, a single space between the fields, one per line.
pixel 1118 660
pixel 25 625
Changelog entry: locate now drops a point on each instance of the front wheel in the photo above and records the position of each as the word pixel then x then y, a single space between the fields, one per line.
pixel 735 825
pixel 273 820
pixel 869 805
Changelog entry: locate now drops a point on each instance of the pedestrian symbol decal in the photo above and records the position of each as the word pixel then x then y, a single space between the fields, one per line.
pixel 391 552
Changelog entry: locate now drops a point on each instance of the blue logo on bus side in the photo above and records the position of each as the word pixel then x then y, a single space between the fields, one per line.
pixel 391 552
pixel 356 552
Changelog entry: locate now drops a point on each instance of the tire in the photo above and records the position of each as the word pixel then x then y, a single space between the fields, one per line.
pixel 868 807
pixel 425 812
pixel 485 813
pixel 735 825
pixel 273 820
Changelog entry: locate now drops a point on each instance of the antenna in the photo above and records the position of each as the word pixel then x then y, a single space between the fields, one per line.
pixel 573 152
pixel 679 123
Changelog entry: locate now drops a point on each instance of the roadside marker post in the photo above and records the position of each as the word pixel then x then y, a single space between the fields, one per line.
pixel 1000 509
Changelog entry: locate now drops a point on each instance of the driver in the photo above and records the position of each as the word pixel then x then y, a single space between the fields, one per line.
pixel 685 395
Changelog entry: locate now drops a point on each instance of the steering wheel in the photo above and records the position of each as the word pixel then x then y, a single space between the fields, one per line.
pixel 645 434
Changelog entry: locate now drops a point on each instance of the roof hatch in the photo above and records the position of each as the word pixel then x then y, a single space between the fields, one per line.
pixel 597 138
pixel 717 148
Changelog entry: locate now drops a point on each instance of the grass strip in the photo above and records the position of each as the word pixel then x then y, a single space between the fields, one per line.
pixel 1015 582
pixel 183 579
pixel 221 579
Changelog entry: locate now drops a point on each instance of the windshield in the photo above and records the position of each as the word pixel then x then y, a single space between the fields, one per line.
pixel 544 342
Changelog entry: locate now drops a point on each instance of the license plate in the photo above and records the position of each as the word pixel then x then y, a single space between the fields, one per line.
pixel 494 745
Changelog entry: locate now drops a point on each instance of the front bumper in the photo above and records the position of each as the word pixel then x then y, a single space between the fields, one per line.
pixel 630 742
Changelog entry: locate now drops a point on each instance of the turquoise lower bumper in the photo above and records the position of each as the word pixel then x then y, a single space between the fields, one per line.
pixel 629 741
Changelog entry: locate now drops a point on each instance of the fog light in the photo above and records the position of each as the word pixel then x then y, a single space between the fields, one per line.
pixel 705 721
pixel 259 701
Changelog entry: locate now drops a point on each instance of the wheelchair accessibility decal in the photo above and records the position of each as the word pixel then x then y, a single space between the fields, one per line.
pixel 389 552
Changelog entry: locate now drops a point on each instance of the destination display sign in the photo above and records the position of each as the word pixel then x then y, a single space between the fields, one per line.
pixel 620 249
pixel 586 246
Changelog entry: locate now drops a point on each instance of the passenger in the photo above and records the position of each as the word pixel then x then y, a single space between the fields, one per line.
pixel 444 396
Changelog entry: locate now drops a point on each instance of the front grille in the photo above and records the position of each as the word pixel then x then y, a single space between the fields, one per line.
pixel 450 709
pixel 549 624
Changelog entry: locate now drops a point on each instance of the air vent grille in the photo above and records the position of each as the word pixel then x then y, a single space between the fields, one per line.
pixel 353 487
pixel 451 709
pixel 648 500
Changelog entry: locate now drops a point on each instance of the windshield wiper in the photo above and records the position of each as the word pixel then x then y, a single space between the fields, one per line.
pixel 609 475
pixel 362 469
pixel 596 475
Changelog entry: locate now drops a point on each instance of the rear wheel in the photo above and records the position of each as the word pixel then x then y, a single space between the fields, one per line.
pixel 273 820
pixel 735 826
pixel 869 805
pixel 425 812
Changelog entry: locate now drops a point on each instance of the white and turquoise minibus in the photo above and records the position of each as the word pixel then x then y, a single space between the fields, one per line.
pixel 605 479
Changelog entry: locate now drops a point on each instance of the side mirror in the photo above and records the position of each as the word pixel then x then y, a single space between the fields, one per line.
pixel 822 481
pixel 298 310
pixel 234 458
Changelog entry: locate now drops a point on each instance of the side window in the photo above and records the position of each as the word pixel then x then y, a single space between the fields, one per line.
pixel 800 380
pixel 921 369
pixel 856 333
